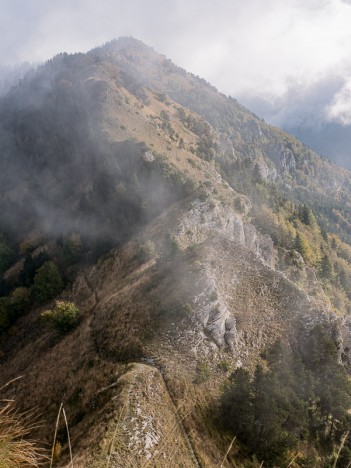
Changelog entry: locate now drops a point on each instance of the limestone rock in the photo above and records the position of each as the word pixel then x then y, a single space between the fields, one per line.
pixel 225 145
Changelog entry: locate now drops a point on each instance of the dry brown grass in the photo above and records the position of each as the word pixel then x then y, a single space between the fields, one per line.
pixel 144 411
pixel 16 449
pixel 55 443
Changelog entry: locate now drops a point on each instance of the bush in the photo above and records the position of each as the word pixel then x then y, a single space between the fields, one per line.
pixel 146 252
pixel 11 307
pixel 172 246
pixel 64 317
pixel 224 365
pixel 214 296
pixel 344 459
pixel 129 349
pixel 20 299
pixel 203 373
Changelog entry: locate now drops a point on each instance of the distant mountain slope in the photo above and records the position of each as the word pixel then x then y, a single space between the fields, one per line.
pixel 329 139
pixel 317 114
pixel 309 178
pixel 9 76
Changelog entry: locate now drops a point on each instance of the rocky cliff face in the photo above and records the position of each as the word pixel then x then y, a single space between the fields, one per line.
pixel 239 299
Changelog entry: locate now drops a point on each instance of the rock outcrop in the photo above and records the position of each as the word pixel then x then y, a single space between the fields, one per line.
pixel 208 217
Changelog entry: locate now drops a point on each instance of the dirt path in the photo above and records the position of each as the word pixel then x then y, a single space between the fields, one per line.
pixel 153 363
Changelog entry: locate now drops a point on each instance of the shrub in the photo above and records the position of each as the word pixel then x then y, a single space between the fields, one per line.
pixel 239 205
pixel 203 373
pixel 26 247
pixel 129 349
pixel 172 246
pixel 146 252
pixel 64 317
pixel 20 299
pixel 11 307
pixel 224 365
pixel 214 296
pixel 344 459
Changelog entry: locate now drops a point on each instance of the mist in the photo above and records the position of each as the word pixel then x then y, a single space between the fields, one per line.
pixel 288 62
pixel 233 45
pixel 59 172
pixel 11 75
pixel 318 114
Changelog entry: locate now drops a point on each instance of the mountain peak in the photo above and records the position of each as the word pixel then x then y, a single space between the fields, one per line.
pixel 123 41
pixel 125 45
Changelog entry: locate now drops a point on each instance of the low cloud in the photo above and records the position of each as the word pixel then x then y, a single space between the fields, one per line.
pixel 302 104
pixel 339 110
pixel 287 61
pixel 240 47
pixel 318 114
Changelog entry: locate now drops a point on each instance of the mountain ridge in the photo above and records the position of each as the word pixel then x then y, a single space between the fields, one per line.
pixel 186 231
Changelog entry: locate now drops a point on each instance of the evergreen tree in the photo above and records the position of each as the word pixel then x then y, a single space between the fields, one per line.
pixel 326 267
pixel 30 266
pixel 306 215
pixel 305 394
pixel 237 403
pixel 47 282
pixel 6 254
pixel 256 175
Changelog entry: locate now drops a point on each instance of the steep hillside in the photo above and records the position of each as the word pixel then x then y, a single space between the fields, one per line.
pixel 190 237
pixel 240 133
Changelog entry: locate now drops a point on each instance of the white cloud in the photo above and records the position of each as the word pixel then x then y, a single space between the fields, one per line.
pixel 339 110
pixel 268 47
pixel 240 46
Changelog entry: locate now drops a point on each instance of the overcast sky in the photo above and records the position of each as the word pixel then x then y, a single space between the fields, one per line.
pixel 255 47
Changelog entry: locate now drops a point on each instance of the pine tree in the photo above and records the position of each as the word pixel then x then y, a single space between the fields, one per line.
pixel 256 174
pixel 326 267
pixel 47 282
pixel 306 215
pixel 237 406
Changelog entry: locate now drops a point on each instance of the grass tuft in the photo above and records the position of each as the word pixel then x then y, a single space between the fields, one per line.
pixel 16 449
